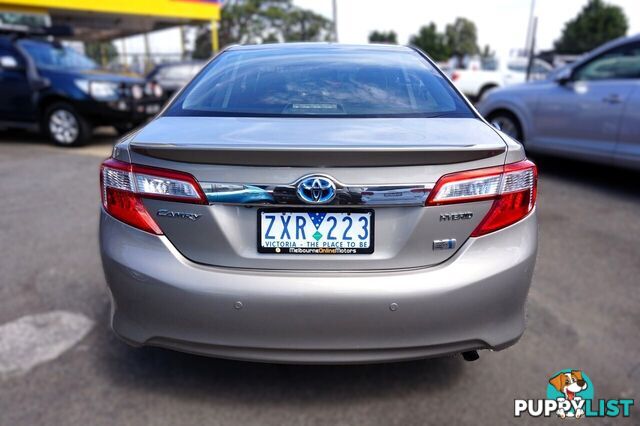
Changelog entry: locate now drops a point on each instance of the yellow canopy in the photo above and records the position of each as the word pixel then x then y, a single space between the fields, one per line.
pixel 201 10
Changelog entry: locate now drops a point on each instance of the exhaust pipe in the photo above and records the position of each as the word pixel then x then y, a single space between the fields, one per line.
pixel 470 356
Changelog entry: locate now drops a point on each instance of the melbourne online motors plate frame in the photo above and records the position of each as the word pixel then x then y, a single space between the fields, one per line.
pixel 320 250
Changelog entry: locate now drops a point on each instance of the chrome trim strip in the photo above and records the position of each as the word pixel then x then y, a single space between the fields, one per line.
pixel 285 194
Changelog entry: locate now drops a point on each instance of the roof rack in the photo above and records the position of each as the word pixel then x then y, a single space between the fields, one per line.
pixel 27 31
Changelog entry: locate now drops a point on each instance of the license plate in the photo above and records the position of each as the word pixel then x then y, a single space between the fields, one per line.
pixel 315 231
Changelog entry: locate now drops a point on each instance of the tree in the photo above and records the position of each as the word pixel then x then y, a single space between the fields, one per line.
pixel 102 52
pixel 389 37
pixel 459 38
pixel 462 37
pixel 263 21
pixel 305 25
pixel 596 24
pixel 432 42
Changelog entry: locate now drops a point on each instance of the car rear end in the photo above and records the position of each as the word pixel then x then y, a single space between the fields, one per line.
pixel 325 233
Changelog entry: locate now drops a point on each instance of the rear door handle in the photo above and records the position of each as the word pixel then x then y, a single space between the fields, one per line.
pixel 612 99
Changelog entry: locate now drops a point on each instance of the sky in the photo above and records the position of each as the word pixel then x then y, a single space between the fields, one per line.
pixel 501 23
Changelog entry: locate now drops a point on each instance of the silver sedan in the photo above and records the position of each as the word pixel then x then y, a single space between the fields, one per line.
pixel 319 203
pixel 589 110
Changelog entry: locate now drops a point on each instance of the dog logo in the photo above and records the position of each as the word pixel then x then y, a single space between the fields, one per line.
pixel 571 385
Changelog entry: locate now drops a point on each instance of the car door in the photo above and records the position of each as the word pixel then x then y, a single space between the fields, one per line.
pixel 582 116
pixel 627 152
pixel 16 104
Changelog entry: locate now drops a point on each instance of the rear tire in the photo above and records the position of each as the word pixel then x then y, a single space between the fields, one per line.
pixel 65 127
pixel 507 123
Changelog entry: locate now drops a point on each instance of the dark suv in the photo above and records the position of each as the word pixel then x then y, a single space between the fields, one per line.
pixel 51 88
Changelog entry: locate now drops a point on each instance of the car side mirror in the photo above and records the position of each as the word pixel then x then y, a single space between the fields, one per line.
pixel 9 63
pixel 564 76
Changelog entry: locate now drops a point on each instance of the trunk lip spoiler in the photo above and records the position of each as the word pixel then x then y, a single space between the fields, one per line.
pixel 319 156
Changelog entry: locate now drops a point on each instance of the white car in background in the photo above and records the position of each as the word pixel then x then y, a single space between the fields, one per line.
pixel 476 77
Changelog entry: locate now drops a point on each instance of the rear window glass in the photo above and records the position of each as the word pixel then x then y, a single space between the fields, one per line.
pixel 489 64
pixel 320 82
pixel 517 66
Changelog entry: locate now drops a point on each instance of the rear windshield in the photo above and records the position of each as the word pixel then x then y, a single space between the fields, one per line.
pixel 336 82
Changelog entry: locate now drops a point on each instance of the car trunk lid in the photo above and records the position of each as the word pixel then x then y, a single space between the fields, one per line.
pixel 408 153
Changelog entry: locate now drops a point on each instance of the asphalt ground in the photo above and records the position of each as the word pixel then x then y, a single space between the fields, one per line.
pixel 60 363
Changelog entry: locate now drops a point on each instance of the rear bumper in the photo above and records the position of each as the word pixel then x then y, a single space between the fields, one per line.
pixel 475 300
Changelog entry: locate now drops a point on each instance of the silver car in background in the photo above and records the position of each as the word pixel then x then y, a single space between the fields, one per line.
pixel 319 203
pixel 173 76
pixel 589 110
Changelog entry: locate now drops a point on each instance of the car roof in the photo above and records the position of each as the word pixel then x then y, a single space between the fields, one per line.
pixel 11 38
pixel 179 63
pixel 620 41
pixel 319 46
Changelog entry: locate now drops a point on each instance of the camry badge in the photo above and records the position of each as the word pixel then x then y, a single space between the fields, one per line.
pixel 445 217
pixel 180 215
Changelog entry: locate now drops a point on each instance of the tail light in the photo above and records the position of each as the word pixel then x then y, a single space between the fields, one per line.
pixel 124 185
pixel 512 187
pixel 455 75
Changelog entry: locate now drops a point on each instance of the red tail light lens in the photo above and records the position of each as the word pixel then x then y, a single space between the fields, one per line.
pixel 124 185
pixel 455 75
pixel 513 188
pixel 128 207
